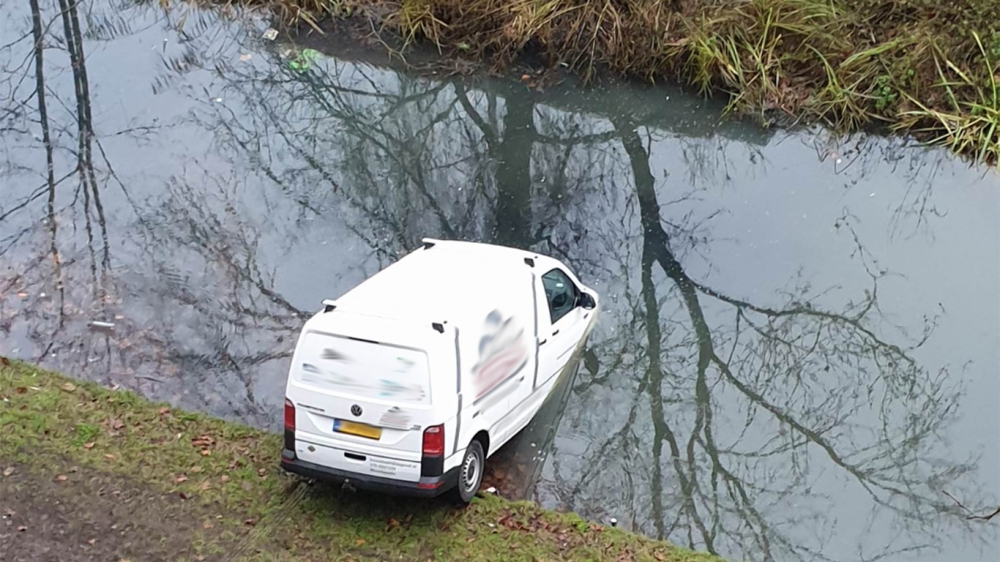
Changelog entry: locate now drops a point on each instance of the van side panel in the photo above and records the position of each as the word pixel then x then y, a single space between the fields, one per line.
pixel 497 354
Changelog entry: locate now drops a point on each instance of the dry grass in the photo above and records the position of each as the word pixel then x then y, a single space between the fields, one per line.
pixel 923 67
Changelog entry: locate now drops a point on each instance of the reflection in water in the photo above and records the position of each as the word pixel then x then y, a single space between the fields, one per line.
pixel 741 394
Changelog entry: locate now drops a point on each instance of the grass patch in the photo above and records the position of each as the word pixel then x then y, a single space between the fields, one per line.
pixel 232 470
pixel 920 67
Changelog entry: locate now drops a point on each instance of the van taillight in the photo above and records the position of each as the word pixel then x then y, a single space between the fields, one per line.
pixel 434 441
pixel 289 415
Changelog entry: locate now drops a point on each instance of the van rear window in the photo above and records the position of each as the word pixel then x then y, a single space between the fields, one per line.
pixel 365 370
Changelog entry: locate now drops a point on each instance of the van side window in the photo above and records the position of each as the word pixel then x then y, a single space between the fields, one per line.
pixel 560 292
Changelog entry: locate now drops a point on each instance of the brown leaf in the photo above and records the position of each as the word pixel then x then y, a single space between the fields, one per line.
pixel 89 445
pixel 658 556
pixel 261 472
pixel 62 478
pixel 91 542
pixel 182 495
pixel 249 522
pixel 110 457
pixel 224 478
pixel 207 525
pixel 69 387
pixel 20 389
pixel 4 360
pixel 117 424
pixel 22 294
pixel 22 529
pixel 181 479
pixel 359 542
pixel 393 523
pixel 196 469
pixel 74 469
pixel 8 471
pixel 205 485
pixel 206 452
pixel 164 411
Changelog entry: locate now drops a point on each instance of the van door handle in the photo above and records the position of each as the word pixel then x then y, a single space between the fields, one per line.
pixel 521 379
pixel 555 333
pixel 542 342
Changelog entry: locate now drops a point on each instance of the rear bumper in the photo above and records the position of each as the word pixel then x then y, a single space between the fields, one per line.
pixel 427 487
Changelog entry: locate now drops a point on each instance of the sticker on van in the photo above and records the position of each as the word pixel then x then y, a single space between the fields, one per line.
pixel 502 353
pixel 365 370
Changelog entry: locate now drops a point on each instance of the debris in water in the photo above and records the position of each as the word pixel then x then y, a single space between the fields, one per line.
pixel 271 34
pixel 245 57
pixel 303 61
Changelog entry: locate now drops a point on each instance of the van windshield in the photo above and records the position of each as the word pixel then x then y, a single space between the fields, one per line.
pixel 365 370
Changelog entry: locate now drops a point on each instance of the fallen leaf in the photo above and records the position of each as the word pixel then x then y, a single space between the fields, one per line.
pixel 74 469
pixel 69 387
pixel 196 469
pixel 8 471
pixel 245 57
pixel 20 389
pixel 164 411
pixel 249 522
pixel 110 457
pixel 393 523
pixel 206 452
pixel 359 542
pixel 117 424
pixel 182 495
pixel 205 485
pixel 4 360
pixel 525 77
pixel 658 556
pixel 62 478
pixel 207 525
pixel 181 479
pixel 91 542
pixel 22 529
pixel 89 445
pixel 224 478
pixel 261 471
pixel 22 295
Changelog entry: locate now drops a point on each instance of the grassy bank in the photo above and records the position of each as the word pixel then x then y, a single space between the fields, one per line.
pixel 922 67
pixel 203 488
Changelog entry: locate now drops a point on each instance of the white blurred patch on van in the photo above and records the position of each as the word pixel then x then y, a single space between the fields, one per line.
pixel 502 353
pixel 365 370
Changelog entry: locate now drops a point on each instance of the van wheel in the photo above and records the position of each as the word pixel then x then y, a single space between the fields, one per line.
pixel 470 473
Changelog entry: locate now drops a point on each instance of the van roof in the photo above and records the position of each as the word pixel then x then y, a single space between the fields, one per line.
pixel 443 281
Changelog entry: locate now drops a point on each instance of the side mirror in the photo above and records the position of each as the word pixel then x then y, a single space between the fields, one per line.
pixel 587 301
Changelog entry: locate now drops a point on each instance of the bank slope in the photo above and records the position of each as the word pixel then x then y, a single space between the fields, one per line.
pixel 84 464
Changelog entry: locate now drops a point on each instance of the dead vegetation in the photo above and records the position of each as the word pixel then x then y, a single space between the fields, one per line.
pixel 918 67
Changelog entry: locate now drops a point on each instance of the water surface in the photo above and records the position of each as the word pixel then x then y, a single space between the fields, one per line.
pixel 797 356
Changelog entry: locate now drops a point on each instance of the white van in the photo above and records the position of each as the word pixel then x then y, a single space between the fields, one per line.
pixel 413 378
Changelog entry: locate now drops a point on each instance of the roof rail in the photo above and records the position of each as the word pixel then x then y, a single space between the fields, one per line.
pixel 329 305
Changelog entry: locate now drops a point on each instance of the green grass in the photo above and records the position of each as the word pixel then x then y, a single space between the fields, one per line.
pixel 921 67
pixel 231 469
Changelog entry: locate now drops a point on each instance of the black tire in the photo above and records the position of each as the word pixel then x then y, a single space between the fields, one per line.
pixel 470 473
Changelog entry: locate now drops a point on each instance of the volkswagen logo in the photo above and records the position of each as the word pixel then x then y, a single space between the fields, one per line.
pixel 356 410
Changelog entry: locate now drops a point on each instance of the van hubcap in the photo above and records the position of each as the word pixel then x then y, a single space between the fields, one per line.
pixel 470 472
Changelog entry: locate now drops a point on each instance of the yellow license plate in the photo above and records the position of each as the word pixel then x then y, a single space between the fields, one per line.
pixel 359 429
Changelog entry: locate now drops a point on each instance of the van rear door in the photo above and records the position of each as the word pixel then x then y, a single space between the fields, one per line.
pixel 365 386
